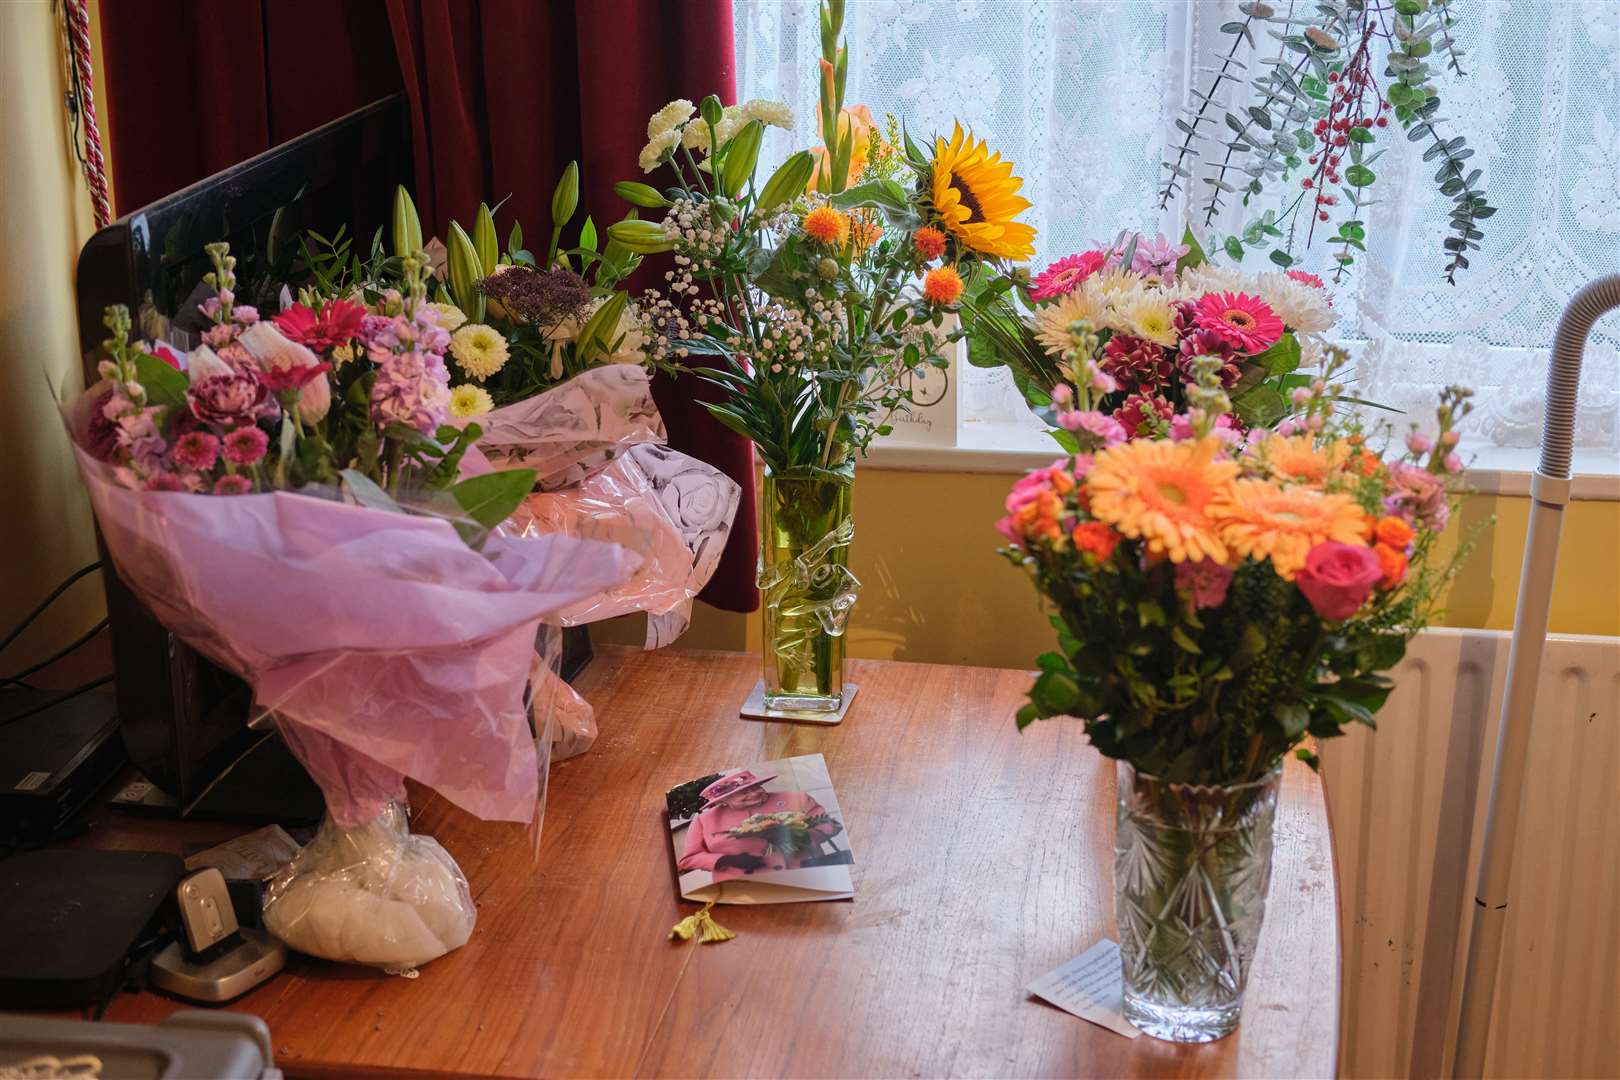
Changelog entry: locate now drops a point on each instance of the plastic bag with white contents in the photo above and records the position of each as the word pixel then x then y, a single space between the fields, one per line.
pixel 371 894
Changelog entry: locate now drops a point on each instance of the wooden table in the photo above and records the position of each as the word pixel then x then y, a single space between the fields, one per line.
pixel 983 860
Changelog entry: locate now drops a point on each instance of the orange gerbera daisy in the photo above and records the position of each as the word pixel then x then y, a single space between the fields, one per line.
pixel 1260 520
pixel 1296 457
pixel 1160 492
pixel 826 225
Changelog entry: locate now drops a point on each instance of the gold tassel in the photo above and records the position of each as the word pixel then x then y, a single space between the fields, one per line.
pixel 702 925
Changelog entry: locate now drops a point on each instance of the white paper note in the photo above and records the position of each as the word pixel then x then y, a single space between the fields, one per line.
pixel 1089 986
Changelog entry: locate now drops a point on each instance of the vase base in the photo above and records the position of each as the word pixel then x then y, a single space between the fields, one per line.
pixel 1182 1023
pixel 757 707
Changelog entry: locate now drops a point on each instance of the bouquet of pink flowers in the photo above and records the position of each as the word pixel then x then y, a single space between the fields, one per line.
pixel 287 499
pixel 1146 309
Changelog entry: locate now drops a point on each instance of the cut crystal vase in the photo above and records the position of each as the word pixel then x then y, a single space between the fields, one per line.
pixel 806 589
pixel 1191 867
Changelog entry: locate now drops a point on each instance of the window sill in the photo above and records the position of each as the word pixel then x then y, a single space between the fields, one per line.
pixel 989 447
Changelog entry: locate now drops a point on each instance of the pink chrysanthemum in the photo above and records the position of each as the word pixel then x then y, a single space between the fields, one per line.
pixel 246 445
pixel 164 481
pixel 1065 275
pixel 233 484
pixel 1134 414
pixel 1247 322
pixel 196 450
pixel 1136 364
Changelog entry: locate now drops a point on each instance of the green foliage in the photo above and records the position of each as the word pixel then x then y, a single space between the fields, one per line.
pixel 1212 696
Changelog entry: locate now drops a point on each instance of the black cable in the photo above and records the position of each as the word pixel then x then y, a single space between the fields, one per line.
pixel 38 611
pixel 55 701
pixel 18 678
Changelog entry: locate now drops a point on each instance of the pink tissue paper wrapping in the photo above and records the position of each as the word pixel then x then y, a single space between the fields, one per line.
pixel 382 644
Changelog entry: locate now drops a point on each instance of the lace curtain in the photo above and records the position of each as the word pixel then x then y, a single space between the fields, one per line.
pixel 1084 98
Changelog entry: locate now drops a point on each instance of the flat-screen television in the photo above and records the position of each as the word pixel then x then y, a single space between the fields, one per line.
pixel 182 718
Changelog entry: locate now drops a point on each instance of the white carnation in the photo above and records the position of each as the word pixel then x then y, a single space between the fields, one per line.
pixel 668 118
pixel 769 113
pixel 654 151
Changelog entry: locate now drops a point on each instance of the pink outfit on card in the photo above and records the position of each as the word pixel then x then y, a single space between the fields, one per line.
pixel 707 839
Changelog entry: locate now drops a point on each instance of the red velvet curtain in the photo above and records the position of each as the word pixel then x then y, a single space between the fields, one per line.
pixel 503 94
pixel 195 86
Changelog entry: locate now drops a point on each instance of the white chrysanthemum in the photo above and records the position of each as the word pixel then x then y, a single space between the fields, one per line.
pixel 670 117
pixel 769 113
pixel 479 349
pixel 1300 306
pixel 1052 320
pixel 1146 314
pixel 1113 283
pixel 451 318
pixel 656 147
pixel 467 401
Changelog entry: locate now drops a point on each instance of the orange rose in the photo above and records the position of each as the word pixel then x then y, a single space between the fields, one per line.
pixel 1393 563
pixel 1394 532
pixel 1095 537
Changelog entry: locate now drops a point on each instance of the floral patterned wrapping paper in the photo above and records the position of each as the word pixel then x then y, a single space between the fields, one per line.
pixel 604 476
pixel 570 431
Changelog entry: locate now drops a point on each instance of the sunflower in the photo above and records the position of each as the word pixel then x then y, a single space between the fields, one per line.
pixel 976 197
pixel 1159 492
pixel 1260 520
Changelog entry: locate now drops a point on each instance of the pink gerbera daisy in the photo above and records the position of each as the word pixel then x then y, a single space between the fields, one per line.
pixel 197 450
pixel 233 484
pixel 246 445
pixel 1245 321
pixel 1306 278
pixel 1063 276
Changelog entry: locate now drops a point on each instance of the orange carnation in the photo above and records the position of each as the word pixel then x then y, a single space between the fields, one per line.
pixel 942 285
pixel 1392 561
pixel 1394 532
pixel 1096 538
pixel 929 242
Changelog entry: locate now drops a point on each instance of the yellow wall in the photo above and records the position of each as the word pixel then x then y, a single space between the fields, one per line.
pixel 936 591
pixel 44 218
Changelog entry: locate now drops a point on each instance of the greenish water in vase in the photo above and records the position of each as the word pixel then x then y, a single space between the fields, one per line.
pixel 806 588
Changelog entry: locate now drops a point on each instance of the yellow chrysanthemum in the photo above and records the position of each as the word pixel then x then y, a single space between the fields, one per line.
pixel 1052 321
pixel 1296 457
pixel 826 225
pixel 468 401
pixel 976 197
pixel 1160 492
pixel 1260 520
pixel 479 349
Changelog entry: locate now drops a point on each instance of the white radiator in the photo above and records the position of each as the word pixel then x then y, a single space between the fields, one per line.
pixel 1403 802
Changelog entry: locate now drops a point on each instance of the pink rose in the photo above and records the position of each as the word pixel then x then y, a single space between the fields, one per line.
pixel 1337 578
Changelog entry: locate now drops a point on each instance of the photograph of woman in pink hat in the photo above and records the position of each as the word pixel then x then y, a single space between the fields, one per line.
pixel 737 831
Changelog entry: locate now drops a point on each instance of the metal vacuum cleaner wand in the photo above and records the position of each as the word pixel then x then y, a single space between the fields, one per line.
pixel 1549 492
